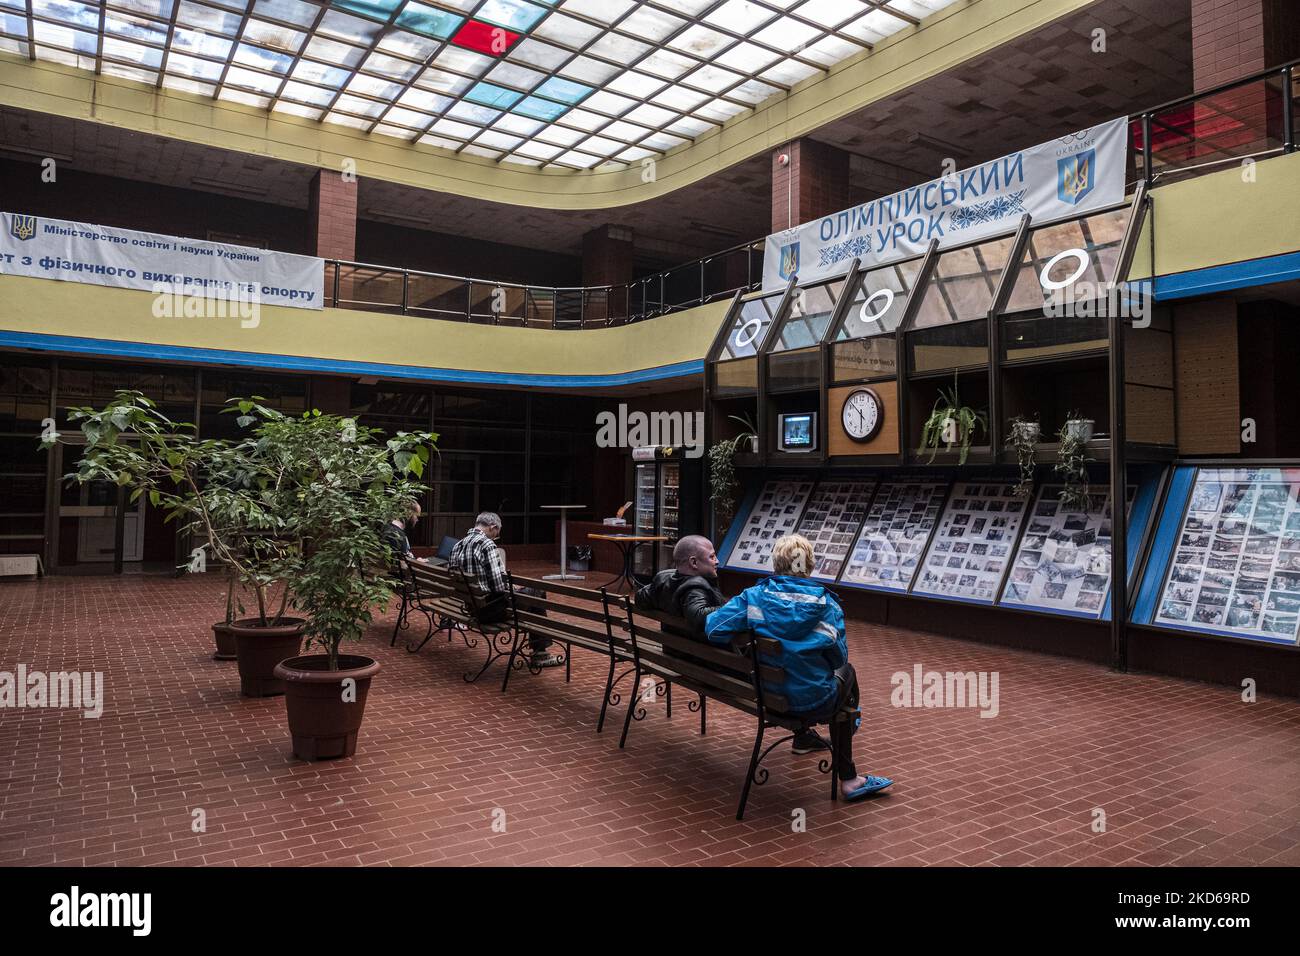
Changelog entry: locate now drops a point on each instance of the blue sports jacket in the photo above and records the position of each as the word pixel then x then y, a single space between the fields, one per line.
pixel 808 622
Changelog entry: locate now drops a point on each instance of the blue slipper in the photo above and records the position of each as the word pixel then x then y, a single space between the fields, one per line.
pixel 873 785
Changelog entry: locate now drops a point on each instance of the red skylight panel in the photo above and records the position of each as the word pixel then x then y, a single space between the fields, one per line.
pixel 484 38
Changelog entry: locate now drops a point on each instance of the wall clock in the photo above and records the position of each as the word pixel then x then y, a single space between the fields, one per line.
pixel 862 414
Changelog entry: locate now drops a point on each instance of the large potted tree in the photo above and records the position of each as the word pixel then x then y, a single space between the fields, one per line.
pixel 228 493
pixel 345 484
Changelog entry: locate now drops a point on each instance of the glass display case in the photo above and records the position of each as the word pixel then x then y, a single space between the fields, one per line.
pixel 972 546
pixel 895 533
pixel 775 513
pixel 831 521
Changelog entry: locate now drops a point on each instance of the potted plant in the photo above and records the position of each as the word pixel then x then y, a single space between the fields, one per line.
pixel 227 492
pixel 221 632
pixel 1072 464
pixel 345 485
pixel 951 423
pixel 1022 436
pixel 722 470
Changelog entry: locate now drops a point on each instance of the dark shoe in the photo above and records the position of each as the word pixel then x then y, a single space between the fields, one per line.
pixel 807 742
pixel 542 659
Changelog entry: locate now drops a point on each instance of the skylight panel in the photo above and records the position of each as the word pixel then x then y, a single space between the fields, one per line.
pixel 700 41
pixel 429 21
pixel 651 24
pixel 334 52
pixel 539 54
pixel 605 11
pixel 787 35
pixel 517 15
pixel 740 16
pixel 409 45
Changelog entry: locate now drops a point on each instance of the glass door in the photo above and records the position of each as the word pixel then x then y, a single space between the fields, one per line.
pixel 646 518
pixel 669 510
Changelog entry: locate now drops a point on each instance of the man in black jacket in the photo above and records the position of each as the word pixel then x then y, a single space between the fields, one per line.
pixel 691 589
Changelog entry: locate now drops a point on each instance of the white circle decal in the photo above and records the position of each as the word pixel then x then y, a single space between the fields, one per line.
pixel 745 335
pixel 1052 284
pixel 887 295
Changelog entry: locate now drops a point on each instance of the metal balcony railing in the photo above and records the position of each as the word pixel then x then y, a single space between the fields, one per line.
pixel 1233 124
pixel 358 285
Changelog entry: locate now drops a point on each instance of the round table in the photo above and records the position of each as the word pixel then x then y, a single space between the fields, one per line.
pixel 627 545
pixel 564 574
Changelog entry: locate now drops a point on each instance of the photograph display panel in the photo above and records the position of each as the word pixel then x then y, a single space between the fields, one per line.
pixel 834 513
pixel 1063 563
pixel 888 550
pixel 1236 563
pixel 776 514
pixel 972 546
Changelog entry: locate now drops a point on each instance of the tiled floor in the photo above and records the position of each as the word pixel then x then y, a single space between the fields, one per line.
pixel 1185 773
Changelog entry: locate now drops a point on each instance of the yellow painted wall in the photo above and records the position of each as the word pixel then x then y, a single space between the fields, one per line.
pixel 959 33
pixel 1221 218
pixel 50 307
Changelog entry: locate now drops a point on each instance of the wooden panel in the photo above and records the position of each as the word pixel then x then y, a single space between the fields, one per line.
pixel 1149 357
pixel 1208 394
pixel 1150 414
pixel 839 443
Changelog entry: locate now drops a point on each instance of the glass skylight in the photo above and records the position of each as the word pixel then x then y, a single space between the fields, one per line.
pixel 610 81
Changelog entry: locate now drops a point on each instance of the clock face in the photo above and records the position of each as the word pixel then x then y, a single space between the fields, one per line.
pixel 862 415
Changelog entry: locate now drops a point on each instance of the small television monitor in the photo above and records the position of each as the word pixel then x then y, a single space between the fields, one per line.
pixel 797 431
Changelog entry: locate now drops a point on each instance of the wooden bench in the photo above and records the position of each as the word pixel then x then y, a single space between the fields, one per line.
pixel 737 677
pixel 591 620
pixel 445 597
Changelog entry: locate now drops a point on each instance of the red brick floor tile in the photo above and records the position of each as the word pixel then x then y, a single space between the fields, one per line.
pixel 438 756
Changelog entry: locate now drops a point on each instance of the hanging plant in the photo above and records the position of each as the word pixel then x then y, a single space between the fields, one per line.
pixel 951 423
pixel 722 469
pixel 1072 465
pixel 1022 436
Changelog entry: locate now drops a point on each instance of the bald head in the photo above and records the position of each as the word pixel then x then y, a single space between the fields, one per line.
pixel 694 554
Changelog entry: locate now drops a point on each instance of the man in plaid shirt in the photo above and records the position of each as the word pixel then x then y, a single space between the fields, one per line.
pixel 477 557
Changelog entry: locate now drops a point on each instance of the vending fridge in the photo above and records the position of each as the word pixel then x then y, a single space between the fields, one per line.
pixel 667 499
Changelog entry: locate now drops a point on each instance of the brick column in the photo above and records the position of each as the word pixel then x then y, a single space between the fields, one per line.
pixel 332 224
pixel 813 183
pixel 607 260
pixel 1232 39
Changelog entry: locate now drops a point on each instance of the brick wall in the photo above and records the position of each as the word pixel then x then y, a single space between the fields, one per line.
pixel 814 183
pixel 332 215
pixel 1235 38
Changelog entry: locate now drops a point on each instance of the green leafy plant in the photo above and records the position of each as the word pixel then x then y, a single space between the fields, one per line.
pixel 722 469
pixel 958 421
pixel 222 490
pixel 1022 436
pixel 1072 465
pixel 298 501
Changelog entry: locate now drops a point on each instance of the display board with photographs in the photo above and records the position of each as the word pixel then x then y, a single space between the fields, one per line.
pixel 972 546
pixel 834 513
pixel 1236 564
pixel 899 521
pixel 776 513
pixel 1063 563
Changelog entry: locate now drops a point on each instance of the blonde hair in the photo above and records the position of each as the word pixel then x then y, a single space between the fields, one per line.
pixel 793 554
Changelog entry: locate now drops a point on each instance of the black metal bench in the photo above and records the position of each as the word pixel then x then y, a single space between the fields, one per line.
pixel 736 677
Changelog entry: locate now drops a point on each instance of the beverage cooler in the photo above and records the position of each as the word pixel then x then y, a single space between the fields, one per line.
pixel 667 501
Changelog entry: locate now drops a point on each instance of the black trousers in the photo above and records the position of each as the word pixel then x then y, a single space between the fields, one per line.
pixel 841 733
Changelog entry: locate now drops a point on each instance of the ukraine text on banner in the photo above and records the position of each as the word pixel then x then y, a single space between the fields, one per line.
pixel 123 258
pixel 1075 174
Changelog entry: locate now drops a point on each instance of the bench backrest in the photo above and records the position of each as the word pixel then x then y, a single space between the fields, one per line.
pixel 577 612
pixel 440 583
pixel 735 672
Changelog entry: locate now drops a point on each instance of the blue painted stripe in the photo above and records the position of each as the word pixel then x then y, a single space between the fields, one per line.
pixel 1143 504
pixel 1162 548
pixel 737 525
pixel 293 363
pixel 1234 275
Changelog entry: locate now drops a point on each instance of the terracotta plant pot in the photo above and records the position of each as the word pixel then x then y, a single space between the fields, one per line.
pixel 260 649
pixel 226 650
pixel 324 715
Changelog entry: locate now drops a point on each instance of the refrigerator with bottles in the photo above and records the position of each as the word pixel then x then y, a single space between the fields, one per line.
pixel 667 500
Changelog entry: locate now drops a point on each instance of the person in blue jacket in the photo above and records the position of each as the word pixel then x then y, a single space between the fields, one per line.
pixel 809 623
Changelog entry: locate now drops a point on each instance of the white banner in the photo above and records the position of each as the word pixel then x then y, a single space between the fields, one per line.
pixel 1073 174
pixel 125 259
